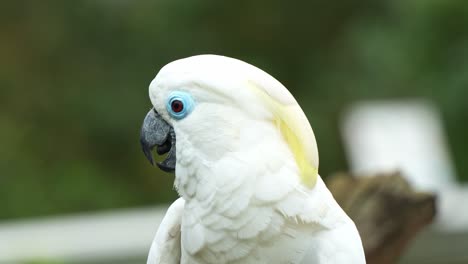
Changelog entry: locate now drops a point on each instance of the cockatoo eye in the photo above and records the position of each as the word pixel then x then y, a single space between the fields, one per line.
pixel 179 104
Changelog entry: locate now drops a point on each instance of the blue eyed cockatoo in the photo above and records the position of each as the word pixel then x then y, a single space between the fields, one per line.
pixel 245 161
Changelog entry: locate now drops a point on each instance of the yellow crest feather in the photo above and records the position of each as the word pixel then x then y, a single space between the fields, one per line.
pixel 296 130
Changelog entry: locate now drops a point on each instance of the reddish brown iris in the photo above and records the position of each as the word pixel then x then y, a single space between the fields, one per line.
pixel 177 106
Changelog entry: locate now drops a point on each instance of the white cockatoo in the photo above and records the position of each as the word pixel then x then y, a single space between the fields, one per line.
pixel 245 161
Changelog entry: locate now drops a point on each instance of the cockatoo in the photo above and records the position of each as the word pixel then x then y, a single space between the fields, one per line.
pixel 246 170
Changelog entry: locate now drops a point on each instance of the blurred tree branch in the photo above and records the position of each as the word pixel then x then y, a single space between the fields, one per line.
pixel 387 211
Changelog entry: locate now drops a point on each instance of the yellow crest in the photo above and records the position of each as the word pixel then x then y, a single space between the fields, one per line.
pixel 295 128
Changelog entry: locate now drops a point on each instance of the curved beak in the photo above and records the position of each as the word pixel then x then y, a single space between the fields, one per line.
pixel 155 132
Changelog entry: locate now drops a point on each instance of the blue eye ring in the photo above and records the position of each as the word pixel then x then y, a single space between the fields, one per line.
pixel 179 104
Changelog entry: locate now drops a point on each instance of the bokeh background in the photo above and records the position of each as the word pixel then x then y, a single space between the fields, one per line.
pixel 74 78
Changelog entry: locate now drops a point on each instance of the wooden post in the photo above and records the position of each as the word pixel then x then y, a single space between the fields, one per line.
pixel 387 211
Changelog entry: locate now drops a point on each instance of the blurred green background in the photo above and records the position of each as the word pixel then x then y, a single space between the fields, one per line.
pixel 74 78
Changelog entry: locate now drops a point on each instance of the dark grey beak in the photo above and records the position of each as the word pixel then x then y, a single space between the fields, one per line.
pixel 156 132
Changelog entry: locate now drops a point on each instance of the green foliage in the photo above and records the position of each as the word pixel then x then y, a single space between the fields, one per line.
pixel 74 78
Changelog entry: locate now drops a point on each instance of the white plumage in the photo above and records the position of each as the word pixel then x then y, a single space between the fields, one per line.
pixel 246 172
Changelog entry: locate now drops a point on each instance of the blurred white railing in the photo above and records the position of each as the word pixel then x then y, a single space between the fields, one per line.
pixel 81 238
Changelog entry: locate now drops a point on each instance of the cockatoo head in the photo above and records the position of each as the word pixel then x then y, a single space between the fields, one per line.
pixel 209 105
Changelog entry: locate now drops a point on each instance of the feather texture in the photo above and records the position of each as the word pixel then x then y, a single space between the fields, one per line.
pixel 166 245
